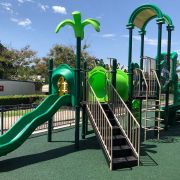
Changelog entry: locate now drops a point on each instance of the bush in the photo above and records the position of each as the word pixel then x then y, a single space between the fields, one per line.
pixel 18 99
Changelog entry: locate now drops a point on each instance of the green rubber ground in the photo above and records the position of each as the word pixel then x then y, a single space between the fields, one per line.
pixel 37 159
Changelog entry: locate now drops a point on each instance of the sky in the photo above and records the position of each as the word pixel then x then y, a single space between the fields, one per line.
pixel 33 22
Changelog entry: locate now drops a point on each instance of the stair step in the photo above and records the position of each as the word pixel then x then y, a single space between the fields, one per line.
pixel 105 106
pixel 121 151
pixel 116 130
pixel 113 122
pixel 119 140
pixel 124 162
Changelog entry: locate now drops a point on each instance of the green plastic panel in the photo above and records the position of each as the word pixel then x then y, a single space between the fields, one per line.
pixel 97 79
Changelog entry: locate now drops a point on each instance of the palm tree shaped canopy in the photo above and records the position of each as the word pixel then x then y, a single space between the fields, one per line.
pixel 77 25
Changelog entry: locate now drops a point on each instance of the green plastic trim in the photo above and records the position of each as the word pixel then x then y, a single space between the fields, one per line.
pixel 166 18
pixel 160 21
pixel 130 26
pixel 142 32
pixel 69 75
pixel 168 21
pixel 133 16
pixel 77 25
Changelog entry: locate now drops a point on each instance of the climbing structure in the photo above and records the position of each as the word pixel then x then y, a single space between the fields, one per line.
pixel 144 81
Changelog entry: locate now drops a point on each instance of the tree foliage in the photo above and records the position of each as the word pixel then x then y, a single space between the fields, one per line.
pixel 24 64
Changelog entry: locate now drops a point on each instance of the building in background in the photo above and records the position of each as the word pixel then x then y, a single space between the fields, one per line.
pixel 15 87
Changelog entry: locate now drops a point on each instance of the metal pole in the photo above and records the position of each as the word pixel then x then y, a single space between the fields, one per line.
pixel 84 117
pixel 114 67
pixel 130 74
pixel 169 29
pixel 50 69
pixel 77 91
pixel 158 61
pixel 142 33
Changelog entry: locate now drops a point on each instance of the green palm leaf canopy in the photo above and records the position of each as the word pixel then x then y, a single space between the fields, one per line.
pixel 77 25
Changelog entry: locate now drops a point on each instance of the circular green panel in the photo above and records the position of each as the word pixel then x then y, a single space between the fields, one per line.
pixel 122 84
pixel 97 79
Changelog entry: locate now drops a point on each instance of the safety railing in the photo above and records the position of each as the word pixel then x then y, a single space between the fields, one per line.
pixel 9 115
pixel 139 90
pixel 125 119
pixel 100 122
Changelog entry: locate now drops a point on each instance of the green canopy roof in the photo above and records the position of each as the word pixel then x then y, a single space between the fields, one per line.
pixel 145 13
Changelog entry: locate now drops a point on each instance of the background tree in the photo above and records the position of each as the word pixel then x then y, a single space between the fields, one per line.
pixel 6 62
pixel 24 64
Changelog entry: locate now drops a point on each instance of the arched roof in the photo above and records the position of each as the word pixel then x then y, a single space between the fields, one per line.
pixel 145 13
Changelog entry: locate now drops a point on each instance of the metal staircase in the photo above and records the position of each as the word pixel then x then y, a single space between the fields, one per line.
pixel 116 128
pixel 151 102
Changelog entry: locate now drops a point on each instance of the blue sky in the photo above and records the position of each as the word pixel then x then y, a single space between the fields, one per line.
pixel 32 22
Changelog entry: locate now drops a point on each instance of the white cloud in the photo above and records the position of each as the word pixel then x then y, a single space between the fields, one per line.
pixel 99 17
pixel 44 7
pixel 59 9
pixel 25 22
pixel 7 6
pixel 178 51
pixel 23 1
pixel 108 35
pixel 148 41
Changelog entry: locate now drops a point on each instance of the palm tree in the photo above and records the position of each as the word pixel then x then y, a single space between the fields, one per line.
pixel 78 27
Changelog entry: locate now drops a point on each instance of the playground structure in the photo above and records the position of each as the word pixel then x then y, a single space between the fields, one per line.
pixel 145 80
pixel 107 95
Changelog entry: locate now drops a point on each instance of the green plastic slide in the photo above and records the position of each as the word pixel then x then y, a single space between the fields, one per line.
pixel 24 127
pixel 97 79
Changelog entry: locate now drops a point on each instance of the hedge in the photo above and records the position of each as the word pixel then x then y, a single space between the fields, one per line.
pixel 21 99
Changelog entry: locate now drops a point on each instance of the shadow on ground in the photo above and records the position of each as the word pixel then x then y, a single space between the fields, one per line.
pixel 145 158
pixel 19 162
pixel 172 135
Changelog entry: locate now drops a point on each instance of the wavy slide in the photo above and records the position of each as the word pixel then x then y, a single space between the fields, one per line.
pixel 24 127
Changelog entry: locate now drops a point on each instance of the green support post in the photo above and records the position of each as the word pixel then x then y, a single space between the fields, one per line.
pixel 77 91
pixel 84 116
pixel 78 27
pixel 169 29
pixel 50 69
pixel 130 73
pixel 114 68
pixel 158 61
pixel 142 33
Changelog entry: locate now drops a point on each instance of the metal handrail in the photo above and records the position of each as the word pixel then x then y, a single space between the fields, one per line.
pixel 100 122
pixel 159 84
pixel 125 119
pixel 141 73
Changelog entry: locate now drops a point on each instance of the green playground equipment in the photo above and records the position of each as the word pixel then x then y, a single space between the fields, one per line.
pixel 98 80
pixel 144 82
pixel 172 79
pixel 112 100
pixel 24 127
pixel 78 28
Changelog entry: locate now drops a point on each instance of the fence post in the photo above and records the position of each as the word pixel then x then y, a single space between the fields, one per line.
pixel 2 120
pixel 50 69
